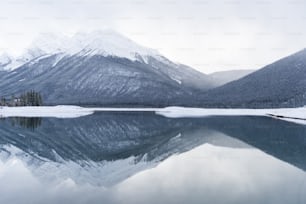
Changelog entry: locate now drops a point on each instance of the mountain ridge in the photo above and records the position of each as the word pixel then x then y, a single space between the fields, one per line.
pixel 223 77
pixel 279 84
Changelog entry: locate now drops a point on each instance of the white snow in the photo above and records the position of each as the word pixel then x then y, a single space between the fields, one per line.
pixel 105 42
pixel 10 63
pixel 290 112
pixel 34 61
pixel 13 64
pixel 60 111
pixel 296 115
pixel 102 42
pixel 4 59
pixel 57 59
pixel 183 112
pixel 176 80
pixel 44 111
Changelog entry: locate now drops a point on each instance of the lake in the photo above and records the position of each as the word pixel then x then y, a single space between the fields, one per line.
pixel 140 157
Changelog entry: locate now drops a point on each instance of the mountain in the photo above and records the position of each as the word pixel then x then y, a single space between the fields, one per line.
pixel 280 84
pixel 101 68
pixel 223 77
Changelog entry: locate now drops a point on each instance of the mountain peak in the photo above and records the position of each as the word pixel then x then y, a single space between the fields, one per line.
pixel 4 59
pixel 100 42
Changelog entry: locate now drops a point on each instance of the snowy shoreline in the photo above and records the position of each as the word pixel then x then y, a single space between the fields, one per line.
pixel 62 111
pixel 296 115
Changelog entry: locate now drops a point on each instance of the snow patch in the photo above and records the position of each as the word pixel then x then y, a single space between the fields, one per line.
pixel 295 115
pixel 4 59
pixel 45 111
pixel 177 80
pixel 105 43
pixel 61 111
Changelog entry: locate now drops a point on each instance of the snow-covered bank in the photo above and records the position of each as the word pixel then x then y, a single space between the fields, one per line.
pixel 63 111
pixel 45 111
pixel 182 112
pixel 296 115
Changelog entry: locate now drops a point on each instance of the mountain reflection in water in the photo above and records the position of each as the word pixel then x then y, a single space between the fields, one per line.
pixel 142 140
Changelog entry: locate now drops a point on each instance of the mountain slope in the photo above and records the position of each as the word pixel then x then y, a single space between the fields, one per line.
pixel 102 69
pixel 224 77
pixel 281 84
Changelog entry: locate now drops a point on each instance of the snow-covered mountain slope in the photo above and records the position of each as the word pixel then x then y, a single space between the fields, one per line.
pixel 4 59
pixel 280 84
pixel 224 77
pixel 9 63
pixel 102 68
pixel 5 62
pixel 105 43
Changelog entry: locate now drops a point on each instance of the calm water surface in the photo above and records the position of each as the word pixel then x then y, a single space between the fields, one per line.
pixel 144 158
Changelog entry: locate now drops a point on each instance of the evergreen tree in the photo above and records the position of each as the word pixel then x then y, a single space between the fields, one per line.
pixel 3 101
pixel 12 103
pixel 30 98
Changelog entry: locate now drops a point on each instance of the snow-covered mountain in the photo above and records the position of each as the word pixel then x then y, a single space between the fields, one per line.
pixel 4 59
pixel 105 43
pixel 280 84
pixel 9 63
pixel 224 77
pixel 101 67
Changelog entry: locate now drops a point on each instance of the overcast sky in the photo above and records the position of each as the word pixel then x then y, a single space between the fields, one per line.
pixel 207 35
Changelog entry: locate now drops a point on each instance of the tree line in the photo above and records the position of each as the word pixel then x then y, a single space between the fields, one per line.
pixel 30 98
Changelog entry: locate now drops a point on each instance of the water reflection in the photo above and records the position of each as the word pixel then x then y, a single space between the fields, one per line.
pixel 114 150
pixel 113 136
pixel 29 123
